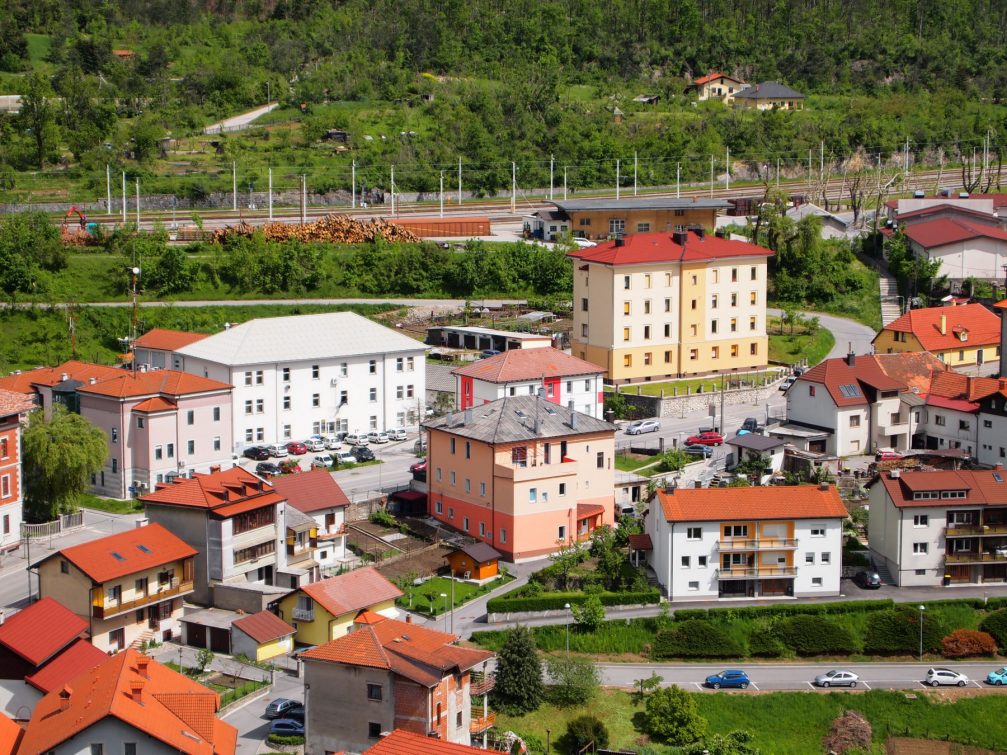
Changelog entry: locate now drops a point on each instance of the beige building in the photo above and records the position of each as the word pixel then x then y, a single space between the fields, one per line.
pixel 128 586
pixel 717 86
pixel 600 219
pixel 654 306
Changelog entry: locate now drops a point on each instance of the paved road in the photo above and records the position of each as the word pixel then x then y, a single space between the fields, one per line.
pixel 847 332
pixel 234 122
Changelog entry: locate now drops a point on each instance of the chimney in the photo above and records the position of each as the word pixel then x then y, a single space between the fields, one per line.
pixel 409 618
pixel 538 426
pixel 142 662
pixel 136 690
pixel 92 381
pixel 720 233
pixel 944 325
pixel 214 468
pixel 698 484
pixel 851 358
pixel 63 377
pixel 824 487
pixel 467 417
pixel 620 241
pixel 998 467
pixel 573 419
pixel 894 473
pixel 680 237
pixel 64 697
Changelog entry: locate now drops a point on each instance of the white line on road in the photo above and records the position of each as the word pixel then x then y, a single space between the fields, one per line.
pixel 810 685
pixel 698 686
pixel 865 684
pixel 755 686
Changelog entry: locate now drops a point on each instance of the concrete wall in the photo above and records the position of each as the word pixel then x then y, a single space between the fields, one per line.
pixel 192 526
pixel 338 711
pixel 698 404
pixel 234 597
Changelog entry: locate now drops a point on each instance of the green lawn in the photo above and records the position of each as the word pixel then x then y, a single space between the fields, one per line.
pixel 628 463
pixel 791 723
pixel 110 505
pixel 708 384
pixel 426 598
pixel 791 348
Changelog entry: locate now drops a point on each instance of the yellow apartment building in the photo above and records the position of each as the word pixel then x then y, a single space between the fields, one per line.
pixel 655 306
pixel 962 336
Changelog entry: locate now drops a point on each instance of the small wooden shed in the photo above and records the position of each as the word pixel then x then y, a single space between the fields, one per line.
pixel 475 561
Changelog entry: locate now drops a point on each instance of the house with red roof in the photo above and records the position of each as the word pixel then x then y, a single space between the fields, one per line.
pixel 966 247
pixel 261 636
pixel 965 337
pixel 562 379
pixel 129 704
pixel 154 349
pixel 35 636
pixel 385 675
pixel 316 495
pixel 402 742
pixel 654 306
pixel 951 414
pixel 944 527
pixel 716 86
pixel 128 587
pixel 750 542
pixel 14 408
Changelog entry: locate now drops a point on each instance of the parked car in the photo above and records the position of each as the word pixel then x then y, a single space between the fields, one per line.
pixel 643 426
pixel 868 580
pixel 295 714
pixel 362 453
pixel 322 461
pixel 698 450
pixel 419 466
pixel 785 385
pixel 798 371
pixel 256 453
pixel 277 450
pixel 296 447
pixel 281 705
pixel 705 439
pixel 729 678
pixel 287 727
pixel 333 442
pixel 486 353
pixel 315 443
pixel 399 433
pixel 376 437
pixel 941 677
pixel 998 677
pixel 836 678
pixel 268 467
pixel 356 439
pixel 345 458
pixel 887 454
pixel 751 425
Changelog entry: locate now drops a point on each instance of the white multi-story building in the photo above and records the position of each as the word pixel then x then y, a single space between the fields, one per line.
pixel 747 542
pixel 308 374
pixel 563 379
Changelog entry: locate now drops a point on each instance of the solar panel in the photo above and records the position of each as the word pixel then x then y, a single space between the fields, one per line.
pixel 849 390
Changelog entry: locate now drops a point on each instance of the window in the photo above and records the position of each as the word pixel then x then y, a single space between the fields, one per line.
pixel 715 352
pixel 171 450
pixel 258 377
pixel 694 586
pixel 372 394
pixel 97 749
pixel 454 477
pixel 667 305
pixel 4 448
pixel 734 275
pixel 190 447
pixel 646 306
pixel 921 520
pixel 667 357
pixel 647 357
pixel 532 495
pixel 816 581
pixel 826 558
pixel 344 397
pixel 561 533
pixel 921 549
pixel 811 391
pixel 286 432
pixel 716 276
pixel 5 486
pixel 583 305
pixel 616 225
pixel 439 506
pixel 713 326
pixel 400 364
pixel 453 445
pixel 248 378
pixel 482 529
pixel 755 273
pixel 139 424
pixel 465 524
pixel 600 459
pixel 753 349
pixel 713 301
pixel 286 402
pixel 374 692
pixel 259 404
pixel 734 350
pixel 216 443
pixel 939 420
pixel 693 355
pixel 964 424
pixel 920 572
pixel 694 303
pixel 626 282
pixel 693 533
pixel 627 308
pixel 468 485
pixel 685 562
pixel 734 324
pixel 627 360
pixel 735 530
pixel 987 423
pixel 643 227
pixel 482 489
pixel 818 532
pixel 159 451
pixel 248 436
pixel 286 375
pixel 855 420
pixel 260 433
pixel 314 372
pixel 248 406
pixel 625 334
pixel 809 558
pixel 373 730
pixel 216 414
pixel 753 298
pixel 701 562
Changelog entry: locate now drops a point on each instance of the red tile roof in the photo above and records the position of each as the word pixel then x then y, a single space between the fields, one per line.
pixel 13 402
pixel 401 742
pixel 10 735
pixel 41 630
pixel 49 376
pixel 954 386
pixel 422 655
pixel 264 626
pixel 155 404
pixel 215 491
pixel 845 382
pixel 351 592
pixel 944 231
pixel 641 542
pixel 527 364
pixel 983 326
pixel 650 248
pixel 311 491
pixel 914 369
pixel 947 207
pixel 756 503
pixel 981 487
pixel 585 510
pixel 171 708
pixel 124 553
pixel 163 339
pixel 168 382
pixel 713 75
pixel 72 662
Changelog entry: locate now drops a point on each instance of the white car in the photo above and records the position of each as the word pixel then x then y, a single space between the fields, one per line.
pixel 356 439
pixel 399 433
pixel 939 677
pixel 837 678
pixel 332 442
pixel 315 443
pixel 344 458
pixel 376 437
pixel 277 450
pixel 785 385
pixel 322 460
pixel 1000 550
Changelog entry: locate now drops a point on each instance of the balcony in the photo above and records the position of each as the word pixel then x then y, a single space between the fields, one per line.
pixel 758 544
pixel 482 723
pixel 481 683
pixel 757 572
pixel 536 470
pixel 971 530
pixel 171 589
pixel 304 614
pixel 973 557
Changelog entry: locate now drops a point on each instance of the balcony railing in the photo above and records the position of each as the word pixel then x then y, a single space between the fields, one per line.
pixel 757 572
pixel 956 530
pixel 758 543
pixel 482 723
pixel 536 470
pixel 973 557
pixel 154 595
pixel 481 683
pixel 304 614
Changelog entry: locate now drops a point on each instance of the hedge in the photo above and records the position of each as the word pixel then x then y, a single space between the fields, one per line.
pixel 815 635
pixel 555 601
pixel 996 625
pixel 696 639
pixel 897 632
pixel 783 609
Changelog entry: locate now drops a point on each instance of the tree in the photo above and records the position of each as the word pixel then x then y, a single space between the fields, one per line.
pixel 672 716
pixel 170 272
pixel 649 684
pixel 574 680
pixel 38 116
pixel 590 614
pixel 733 743
pixel 519 687
pixel 673 460
pixel 204 657
pixel 583 731
pixel 61 452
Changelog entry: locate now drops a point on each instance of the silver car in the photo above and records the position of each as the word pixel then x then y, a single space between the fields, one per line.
pixel 643 426
pixel 836 678
pixel 942 677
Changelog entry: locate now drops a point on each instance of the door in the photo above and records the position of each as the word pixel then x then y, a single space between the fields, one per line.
pixel 220 640
pixel 195 635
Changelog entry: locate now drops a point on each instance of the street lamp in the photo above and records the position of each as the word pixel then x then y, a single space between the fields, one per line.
pixel 567 607
pixel 923 608
pixel 445 596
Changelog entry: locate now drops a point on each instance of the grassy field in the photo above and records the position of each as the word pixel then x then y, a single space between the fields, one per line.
pixel 426 598
pixel 791 348
pixel 693 385
pixel 110 505
pixel 793 723
pixel 631 463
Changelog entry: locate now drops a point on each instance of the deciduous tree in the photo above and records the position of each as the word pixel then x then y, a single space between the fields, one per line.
pixel 672 716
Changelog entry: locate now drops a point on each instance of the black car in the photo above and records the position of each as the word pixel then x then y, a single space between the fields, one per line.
pixel 268 467
pixel 362 453
pixel 257 453
pixel 868 580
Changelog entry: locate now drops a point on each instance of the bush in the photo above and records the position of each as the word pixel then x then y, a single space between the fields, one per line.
pixel 581 732
pixel 590 614
pixel 696 639
pixel 963 643
pixel 786 609
pixel 815 635
pixel 554 601
pixel 575 680
pixel 519 687
pixel 996 625
pixel 764 644
pixel 898 631
pixel 672 716
pixel 285 739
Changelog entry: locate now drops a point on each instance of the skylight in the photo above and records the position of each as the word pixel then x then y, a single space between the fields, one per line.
pixel 143 548
pixel 849 390
pixel 998 477
pixel 117 556
pixel 521 414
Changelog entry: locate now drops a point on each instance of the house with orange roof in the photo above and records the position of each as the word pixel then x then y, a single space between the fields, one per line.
pixel 35 636
pixel 48 385
pixel 129 704
pixel 235 521
pixel 402 742
pixel 965 337
pixel 14 408
pixel 966 247
pixel 716 86
pixel 562 379
pixel 944 527
pixel 386 675
pixel 951 413
pixel 325 610
pixel 128 587
pixel 746 542
pixel 155 348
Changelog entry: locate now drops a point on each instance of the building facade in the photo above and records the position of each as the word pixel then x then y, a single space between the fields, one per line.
pixel 13 408
pixel 717 86
pixel 747 542
pixel 964 337
pixel 656 306
pixel 600 219
pixel 992 424
pixel 769 95
pixel 317 495
pixel 965 247
pixel 523 474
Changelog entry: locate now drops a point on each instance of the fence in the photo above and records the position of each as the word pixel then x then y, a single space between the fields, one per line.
pixel 65 523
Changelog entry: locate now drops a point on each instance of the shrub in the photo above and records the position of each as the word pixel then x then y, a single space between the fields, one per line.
pixel 996 625
pixel 590 614
pixel 575 680
pixel 672 716
pixel 815 635
pixel 581 732
pixel 963 643
pixel 696 639
pixel 764 644
pixel 898 631
pixel 285 739
pixel 554 601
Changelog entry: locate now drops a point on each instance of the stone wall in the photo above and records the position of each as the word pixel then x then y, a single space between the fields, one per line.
pixel 698 404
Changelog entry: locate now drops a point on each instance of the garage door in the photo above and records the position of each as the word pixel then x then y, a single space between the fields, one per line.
pixel 195 635
pixel 220 640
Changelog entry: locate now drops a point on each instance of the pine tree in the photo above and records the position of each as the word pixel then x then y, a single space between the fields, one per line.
pixel 519 687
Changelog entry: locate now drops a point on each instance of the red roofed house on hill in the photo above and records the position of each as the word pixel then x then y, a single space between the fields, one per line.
pixel 747 542
pixel 154 349
pixel 716 86
pixel 562 378
pixel 653 306
pixel 965 247
pixel 129 704
pixel 128 587
pixel 13 409
pixel 387 674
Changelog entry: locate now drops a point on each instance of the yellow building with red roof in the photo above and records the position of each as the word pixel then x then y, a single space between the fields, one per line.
pixel 966 336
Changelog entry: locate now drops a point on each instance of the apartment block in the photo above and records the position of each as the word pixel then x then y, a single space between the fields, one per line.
pixel 13 408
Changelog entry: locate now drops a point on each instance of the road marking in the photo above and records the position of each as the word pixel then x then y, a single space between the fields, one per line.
pixel 810 685
pixel 865 684
pixel 699 686
pixel 755 686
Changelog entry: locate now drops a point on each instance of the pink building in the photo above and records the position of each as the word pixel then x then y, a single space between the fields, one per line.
pixel 13 406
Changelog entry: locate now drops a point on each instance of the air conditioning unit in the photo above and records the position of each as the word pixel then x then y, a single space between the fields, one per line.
pixel 334 381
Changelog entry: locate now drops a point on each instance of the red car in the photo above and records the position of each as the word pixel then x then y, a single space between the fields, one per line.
pixel 886 454
pixel 705 439
pixel 296 447
pixel 420 466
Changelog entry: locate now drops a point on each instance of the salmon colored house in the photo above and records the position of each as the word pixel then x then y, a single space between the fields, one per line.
pixel 13 406
pixel 521 474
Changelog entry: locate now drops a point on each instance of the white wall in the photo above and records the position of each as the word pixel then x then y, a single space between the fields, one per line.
pixel 112 734
pixel 708 586
pixel 831 543
pixel 949 434
pixel 583 391
pixel 980 258
pixel 992 443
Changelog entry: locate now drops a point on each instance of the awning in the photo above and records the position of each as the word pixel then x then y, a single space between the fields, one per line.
pixel 588 510
pixel 641 542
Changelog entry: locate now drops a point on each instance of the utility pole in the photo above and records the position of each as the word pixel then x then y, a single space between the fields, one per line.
pixel 616 180
pixel 304 198
pixel 393 189
pixel 441 195
pixel 564 183
pixel 711 176
pixel 234 186
pixel 678 180
pixel 108 190
pixel 138 204
pixel 270 194
pixel 777 173
pixel 809 170
pixel 459 181
pixel 635 170
pixel 551 170
pixel 513 187
pixel 727 175
pixel 353 184
pixel 124 197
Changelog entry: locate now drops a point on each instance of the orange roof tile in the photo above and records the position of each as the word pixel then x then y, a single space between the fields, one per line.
pixel 943 231
pixel 649 248
pixel 40 631
pixel 311 491
pixel 155 404
pixel 264 626
pixel 401 742
pixel 171 708
pixel 10 735
pixel 128 552
pixel 72 662
pixel 168 382
pixel 727 504
pixel 13 402
pixel 351 592
pixel 215 490
pixel 49 376
pixel 845 382
pixel 527 364
pixel 981 486
pixel 983 326
pixel 163 339
pixel 914 369
pixel 713 75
